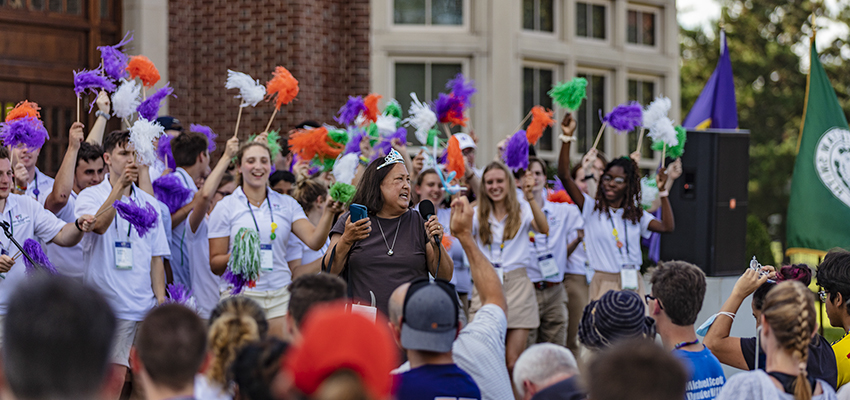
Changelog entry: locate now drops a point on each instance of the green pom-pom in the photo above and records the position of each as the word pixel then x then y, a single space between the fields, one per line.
pixel 433 135
pixel 393 109
pixel 274 143
pixel 245 257
pixel 372 130
pixel 338 135
pixel 569 94
pixel 678 150
pixel 342 192
pixel 326 164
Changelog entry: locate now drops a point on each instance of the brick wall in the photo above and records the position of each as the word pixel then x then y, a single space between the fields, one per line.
pixel 324 43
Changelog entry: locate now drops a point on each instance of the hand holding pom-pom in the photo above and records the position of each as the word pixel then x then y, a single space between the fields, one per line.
pixel 86 222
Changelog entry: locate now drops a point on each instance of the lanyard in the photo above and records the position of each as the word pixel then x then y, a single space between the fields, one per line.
pixel 36 191
pixel 271 214
pixel 129 225
pixel 616 234
pixel 501 249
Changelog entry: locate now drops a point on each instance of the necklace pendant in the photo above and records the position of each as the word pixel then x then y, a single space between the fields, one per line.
pixel 619 244
pixel 390 252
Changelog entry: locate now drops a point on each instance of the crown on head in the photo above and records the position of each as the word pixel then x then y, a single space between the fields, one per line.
pixel 393 158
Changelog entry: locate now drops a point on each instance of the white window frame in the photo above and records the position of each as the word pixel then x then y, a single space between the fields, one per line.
pixel 463 27
pixel 548 155
pixel 587 39
pixel 658 11
pixel 607 105
pixel 658 81
pixel 392 60
pixel 556 22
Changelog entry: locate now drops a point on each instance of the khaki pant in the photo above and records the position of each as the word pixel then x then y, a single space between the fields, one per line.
pixel 553 316
pixel 522 305
pixel 576 288
pixel 602 282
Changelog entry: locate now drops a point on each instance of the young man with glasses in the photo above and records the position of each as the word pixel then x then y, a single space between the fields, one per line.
pixel 834 277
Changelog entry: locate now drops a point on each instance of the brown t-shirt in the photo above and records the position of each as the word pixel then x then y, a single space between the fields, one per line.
pixel 369 266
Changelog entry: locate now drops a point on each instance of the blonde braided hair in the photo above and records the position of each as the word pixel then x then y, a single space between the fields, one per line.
pixel 789 309
pixel 236 322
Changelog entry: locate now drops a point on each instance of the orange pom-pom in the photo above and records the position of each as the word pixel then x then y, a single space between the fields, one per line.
pixel 540 119
pixel 446 241
pixel 22 110
pixel 560 196
pixel 456 118
pixel 454 158
pixel 371 102
pixel 284 85
pixel 308 143
pixel 142 67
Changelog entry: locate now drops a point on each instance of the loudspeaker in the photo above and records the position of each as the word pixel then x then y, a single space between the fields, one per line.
pixel 709 203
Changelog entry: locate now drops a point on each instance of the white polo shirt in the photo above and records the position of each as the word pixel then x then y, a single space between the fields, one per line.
pixel 576 261
pixel 128 291
pixel 561 218
pixel 516 250
pixel 233 213
pixel 206 286
pixel 40 187
pixel 67 259
pixel 602 251
pixel 29 220
pixel 181 263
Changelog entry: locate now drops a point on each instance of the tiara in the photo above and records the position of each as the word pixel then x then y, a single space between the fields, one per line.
pixel 393 158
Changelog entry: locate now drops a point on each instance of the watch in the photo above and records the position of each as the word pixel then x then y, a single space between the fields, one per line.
pixel 102 114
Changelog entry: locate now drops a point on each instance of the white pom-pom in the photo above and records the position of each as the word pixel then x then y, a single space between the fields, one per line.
pixel 251 91
pixel 345 167
pixel 422 118
pixel 648 191
pixel 125 99
pixel 656 110
pixel 143 134
pixel 663 130
pixel 387 125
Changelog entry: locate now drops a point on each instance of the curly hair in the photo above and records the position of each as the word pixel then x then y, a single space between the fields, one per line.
pixel 235 322
pixel 632 211
pixel 789 309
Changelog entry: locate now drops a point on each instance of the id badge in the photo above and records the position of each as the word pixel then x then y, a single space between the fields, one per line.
pixel 123 255
pixel 266 257
pixel 500 273
pixel 371 313
pixel 547 266
pixel 588 272
pixel 629 277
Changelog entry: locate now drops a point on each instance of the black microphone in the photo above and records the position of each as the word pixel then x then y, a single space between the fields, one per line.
pixel 426 209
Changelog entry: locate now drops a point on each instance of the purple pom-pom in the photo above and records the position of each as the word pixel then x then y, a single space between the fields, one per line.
pixel 447 104
pixel 170 190
pixel 114 60
pixel 92 81
pixel 516 152
pixel 163 151
pixel 461 89
pixel 238 281
pixel 353 145
pixel 208 132
pixel 383 148
pixel 35 251
pixel 28 131
pixel 625 117
pixel 143 219
pixel 349 112
pixel 178 293
pixel 149 109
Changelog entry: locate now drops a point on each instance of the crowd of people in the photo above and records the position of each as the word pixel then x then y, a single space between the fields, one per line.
pixel 506 289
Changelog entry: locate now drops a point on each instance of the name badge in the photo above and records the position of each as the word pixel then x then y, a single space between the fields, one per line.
pixel 266 257
pixel 547 266
pixel 629 277
pixel 123 255
pixel 500 273
pixel 588 272
pixel 371 313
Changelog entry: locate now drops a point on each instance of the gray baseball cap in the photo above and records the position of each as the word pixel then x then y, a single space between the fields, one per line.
pixel 430 318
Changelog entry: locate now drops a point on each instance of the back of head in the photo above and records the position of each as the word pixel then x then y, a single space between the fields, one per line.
pixel 310 290
pixel 57 339
pixel 680 286
pixel 540 363
pixel 187 146
pixel 429 320
pixel 797 272
pixel 171 344
pixel 636 370
pixel 789 309
pixel 343 384
pixel 834 274
pixel 235 322
pixel 616 316
pixel 307 191
pixel 281 175
pixel 255 368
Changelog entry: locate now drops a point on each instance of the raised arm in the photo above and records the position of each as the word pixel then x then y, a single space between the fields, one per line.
pixel 666 224
pixel 568 127
pixel 103 107
pixel 64 183
pixel 315 236
pixel 106 213
pixel 540 222
pixel 72 232
pixel 483 275
pixel 203 199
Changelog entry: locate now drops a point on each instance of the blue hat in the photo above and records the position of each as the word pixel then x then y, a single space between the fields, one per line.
pixel 615 316
pixel 430 318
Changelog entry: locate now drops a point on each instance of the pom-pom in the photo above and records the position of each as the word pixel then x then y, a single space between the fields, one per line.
pixel 307 143
pixel 114 60
pixel 33 248
pixel 558 196
pixel 663 132
pixel 393 109
pixel 164 153
pixel 446 241
pixel 342 192
pixel 142 67
pixel 348 113
pixel 433 138
pixel 251 91
pixel 282 84
pixel 540 119
pixel 386 144
pixel 422 118
pixel 149 108
pixel 461 89
pixel 455 161
pixel 338 135
pixel 28 131
pixel 648 192
pixel 126 100
pixel 656 110
pixel 371 103
pixel 353 145
pixel 208 132
pixel 179 294
pixel 92 81
pixel 323 164
pixel 625 117
pixel 516 151
pixel 449 109
pixel 569 94
pixel 169 190
pixel 387 125
pixel 243 268
pixel 676 150
pixel 345 168
pixel 141 218
pixel 272 141
pixel 143 134
pixel 24 109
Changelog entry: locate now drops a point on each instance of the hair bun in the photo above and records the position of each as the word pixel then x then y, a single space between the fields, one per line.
pixel 796 272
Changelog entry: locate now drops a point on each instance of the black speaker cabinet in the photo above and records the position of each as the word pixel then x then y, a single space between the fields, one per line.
pixel 709 203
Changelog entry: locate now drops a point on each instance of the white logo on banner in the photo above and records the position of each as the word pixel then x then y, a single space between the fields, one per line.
pixel 832 162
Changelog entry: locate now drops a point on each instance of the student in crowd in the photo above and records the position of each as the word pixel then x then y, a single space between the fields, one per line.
pixel 70 360
pixel 614 221
pixel 124 266
pixel 502 227
pixel 378 261
pixel 313 198
pixel 617 316
pixel 170 349
pixel 678 289
pixel 636 369
pixel 834 278
pixel 255 369
pixel 171 127
pixel 788 322
pixel 274 217
pixel 307 292
pixel 741 352
pixel 282 181
pixel 546 371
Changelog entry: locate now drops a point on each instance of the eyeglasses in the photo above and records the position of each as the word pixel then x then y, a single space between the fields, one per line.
pixel 649 297
pixel 618 180
pixel 822 295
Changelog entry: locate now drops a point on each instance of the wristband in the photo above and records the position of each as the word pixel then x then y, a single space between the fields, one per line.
pixel 664 193
pixel 567 139
pixel 364 161
pixel 21 188
pixel 99 113
pixel 77 224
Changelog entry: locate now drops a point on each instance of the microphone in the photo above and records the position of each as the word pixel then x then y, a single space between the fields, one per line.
pixel 426 208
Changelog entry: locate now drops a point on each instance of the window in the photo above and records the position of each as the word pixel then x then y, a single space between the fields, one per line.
pixel 72 7
pixel 538 15
pixel 426 79
pixel 428 12
pixel 643 91
pixel 588 114
pixel 641 28
pixel 591 20
pixel 535 83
